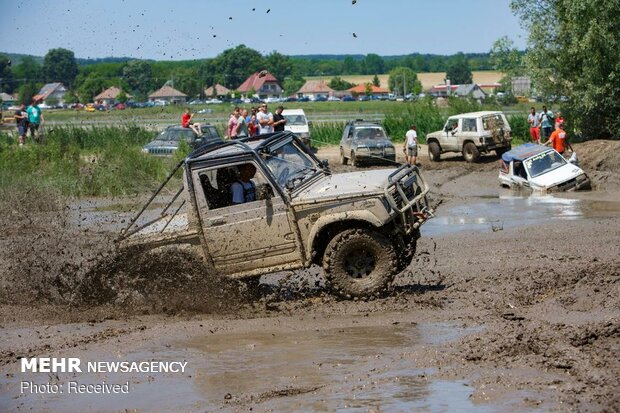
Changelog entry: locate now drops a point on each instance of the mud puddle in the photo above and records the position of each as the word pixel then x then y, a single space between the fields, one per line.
pixel 506 210
pixel 351 368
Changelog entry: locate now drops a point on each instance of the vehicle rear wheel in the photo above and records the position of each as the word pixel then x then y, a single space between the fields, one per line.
pixel 470 152
pixel 434 152
pixel 360 263
pixel 354 160
pixel 343 158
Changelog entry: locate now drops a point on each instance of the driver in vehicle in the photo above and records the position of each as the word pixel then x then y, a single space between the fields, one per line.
pixel 244 190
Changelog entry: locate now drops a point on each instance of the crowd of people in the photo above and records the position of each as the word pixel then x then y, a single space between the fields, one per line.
pixel 243 123
pixel 548 129
pixel 29 119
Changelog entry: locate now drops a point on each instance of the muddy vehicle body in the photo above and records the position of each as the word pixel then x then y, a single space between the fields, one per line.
pixel 365 142
pixel 540 168
pixel 471 134
pixel 362 227
pixel 168 140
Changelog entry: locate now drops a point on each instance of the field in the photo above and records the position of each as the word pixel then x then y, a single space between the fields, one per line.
pixel 428 79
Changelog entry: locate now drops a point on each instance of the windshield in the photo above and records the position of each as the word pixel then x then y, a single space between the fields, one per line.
pixel 371 132
pixel 543 163
pixel 290 165
pixel 295 120
pixel 493 122
pixel 176 135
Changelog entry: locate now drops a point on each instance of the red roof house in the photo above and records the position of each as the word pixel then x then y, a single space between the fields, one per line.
pixel 374 90
pixel 264 84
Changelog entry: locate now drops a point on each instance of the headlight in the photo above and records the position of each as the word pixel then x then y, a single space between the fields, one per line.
pixel 145 150
pixel 389 149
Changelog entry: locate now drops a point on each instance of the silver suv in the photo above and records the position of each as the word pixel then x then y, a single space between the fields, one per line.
pixel 471 134
pixel 366 142
pixel 362 227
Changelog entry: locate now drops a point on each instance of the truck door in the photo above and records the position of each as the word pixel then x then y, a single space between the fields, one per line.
pixel 249 236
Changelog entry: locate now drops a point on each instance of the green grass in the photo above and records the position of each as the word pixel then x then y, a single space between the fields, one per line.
pixel 83 162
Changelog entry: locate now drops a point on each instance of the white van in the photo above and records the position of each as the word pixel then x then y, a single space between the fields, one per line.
pixel 297 123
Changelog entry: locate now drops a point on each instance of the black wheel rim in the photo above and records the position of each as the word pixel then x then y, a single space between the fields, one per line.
pixel 360 263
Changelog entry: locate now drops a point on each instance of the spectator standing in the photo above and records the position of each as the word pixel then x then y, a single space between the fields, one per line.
pixel 265 120
pixel 186 122
pixel 242 126
pixel 21 120
pixel 35 120
pixel 546 122
pixel 278 120
pixel 250 120
pixel 233 122
pixel 558 118
pixel 534 121
pixel 411 145
pixel 559 139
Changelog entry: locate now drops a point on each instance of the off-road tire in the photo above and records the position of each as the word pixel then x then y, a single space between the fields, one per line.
pixel 354 160
pixel 343 158
pixel 360 263
pixel 405 250
pixel 470 152
pixel 434 152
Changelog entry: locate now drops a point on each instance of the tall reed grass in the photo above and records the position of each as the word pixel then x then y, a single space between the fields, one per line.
pixel 83 161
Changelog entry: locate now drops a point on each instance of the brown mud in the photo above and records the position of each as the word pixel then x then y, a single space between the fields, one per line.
pixel 522 317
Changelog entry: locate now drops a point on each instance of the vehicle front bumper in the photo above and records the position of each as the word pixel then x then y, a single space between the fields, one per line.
pixel 406 194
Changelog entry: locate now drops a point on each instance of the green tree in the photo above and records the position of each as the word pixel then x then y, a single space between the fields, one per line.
pixel 403 81
pixel 292 84
pixel 26 92
pixel 121 97
pixel 505 58
pixel 28 70
pixel 235 65
pixel 350 66
pixel 574 51
pixel 90 86
pixel 187 81
pixel 459 72
pixel 279 65
pixel 138 74
pixel 59 65
pixel 70 98
pixel 368 89
pixel 373 63
pixel 337 83
pixel 375 81
pixel 6 75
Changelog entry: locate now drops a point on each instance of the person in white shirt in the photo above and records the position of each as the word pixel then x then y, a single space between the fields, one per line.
pixel 411 145
pixel 534 120
pixel 265 120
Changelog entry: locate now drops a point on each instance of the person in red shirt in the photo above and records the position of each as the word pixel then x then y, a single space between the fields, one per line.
pixel 186 122
pixel 559 139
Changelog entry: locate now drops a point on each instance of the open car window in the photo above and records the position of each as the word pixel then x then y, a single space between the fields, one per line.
pixel 289 164
pixel 217 186
pixel 295 119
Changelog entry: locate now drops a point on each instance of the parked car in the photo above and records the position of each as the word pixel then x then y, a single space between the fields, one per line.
pixel 362 227
pixel 348 99
pixel 304 99
pixel 471 134
pixel 365 142
pixel 320 99
pixel 540 168
pixel 170 138
pixel 333 99
pixel 297 123
pixel 214 101
pixel 291 99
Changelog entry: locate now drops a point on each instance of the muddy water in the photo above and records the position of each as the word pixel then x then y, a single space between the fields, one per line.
pixel 351 369
pixel 494 213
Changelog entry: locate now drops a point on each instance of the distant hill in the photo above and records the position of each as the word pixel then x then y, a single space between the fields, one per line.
pixel 16 58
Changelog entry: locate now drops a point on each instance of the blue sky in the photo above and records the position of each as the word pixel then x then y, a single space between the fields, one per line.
pixel 158 29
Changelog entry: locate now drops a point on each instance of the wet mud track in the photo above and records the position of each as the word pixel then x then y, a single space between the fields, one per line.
pixel 511 304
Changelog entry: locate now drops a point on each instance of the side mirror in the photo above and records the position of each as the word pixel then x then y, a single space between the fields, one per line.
pixel 325 163
pixel 446 129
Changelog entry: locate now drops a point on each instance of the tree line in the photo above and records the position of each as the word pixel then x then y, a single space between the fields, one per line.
pixel 86 78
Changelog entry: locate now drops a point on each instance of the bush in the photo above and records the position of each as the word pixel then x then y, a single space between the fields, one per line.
pixel 424 114
pixel 520 127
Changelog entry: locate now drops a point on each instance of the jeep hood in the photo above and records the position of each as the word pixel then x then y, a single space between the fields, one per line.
pixel 346 185
pixel 557 176
pixel 373 143
pixel 162 144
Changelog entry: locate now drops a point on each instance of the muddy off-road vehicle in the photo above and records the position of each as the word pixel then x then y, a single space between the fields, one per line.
pixel 361 227
pixel 471 134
